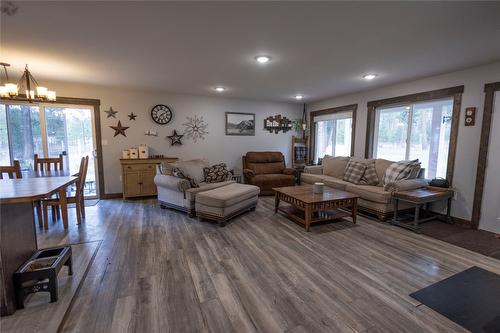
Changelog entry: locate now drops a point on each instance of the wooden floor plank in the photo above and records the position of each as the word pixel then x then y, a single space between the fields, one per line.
pixel 158 270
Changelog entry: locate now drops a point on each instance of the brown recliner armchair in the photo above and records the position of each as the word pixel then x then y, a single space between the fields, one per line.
pixel 267 170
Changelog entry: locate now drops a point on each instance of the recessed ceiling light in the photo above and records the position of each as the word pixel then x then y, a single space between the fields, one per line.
pixel 369 76
pixel 220 89
pixel 299 97
pixel 262 59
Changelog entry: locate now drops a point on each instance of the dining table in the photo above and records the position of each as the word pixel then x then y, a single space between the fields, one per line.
pixel 17 223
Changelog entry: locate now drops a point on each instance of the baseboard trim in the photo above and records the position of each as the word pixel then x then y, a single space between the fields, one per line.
pixel 461 222
pixel 112 195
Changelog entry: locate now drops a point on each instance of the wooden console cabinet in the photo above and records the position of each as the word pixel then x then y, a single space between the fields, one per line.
pixel 138 176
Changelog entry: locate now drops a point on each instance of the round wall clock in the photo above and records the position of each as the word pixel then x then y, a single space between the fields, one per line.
pixel 161 114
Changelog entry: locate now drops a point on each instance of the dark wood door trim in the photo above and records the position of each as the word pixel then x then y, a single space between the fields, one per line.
pixel 489 97
pixel 455 92
pixel 95 103
pixel 345 108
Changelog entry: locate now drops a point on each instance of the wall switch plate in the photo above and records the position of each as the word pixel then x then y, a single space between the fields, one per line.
pixel 104 142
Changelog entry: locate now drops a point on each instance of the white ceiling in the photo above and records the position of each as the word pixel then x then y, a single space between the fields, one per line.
pixel 319 49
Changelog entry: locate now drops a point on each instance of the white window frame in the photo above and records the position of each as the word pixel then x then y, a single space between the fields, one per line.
pixel 334 117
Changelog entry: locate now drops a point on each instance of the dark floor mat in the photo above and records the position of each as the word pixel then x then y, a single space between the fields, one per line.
pixel 470 298
pixel 479 241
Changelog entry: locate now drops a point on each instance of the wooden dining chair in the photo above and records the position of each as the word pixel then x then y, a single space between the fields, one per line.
pixel 45 164
pixel 77 198
pixel 14 171
pixel 11 170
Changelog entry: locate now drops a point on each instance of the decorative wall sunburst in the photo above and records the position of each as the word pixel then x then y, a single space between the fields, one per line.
pixel 195 128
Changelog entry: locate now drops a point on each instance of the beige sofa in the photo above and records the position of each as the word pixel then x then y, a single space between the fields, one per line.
pixel 177 193
pixel 373 199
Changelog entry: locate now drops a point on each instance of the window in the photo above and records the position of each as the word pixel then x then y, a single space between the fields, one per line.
pixel 415 131
pixel 4 137
pixel 333 132
pixel 20 136
pixel 419 126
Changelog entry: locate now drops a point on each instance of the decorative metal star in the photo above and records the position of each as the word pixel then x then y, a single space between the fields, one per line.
pixel 119 129
pixel 132 116
pixel 175 138
pixel 111 113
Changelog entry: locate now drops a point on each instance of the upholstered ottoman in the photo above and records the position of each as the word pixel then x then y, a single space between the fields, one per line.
pixel 224 203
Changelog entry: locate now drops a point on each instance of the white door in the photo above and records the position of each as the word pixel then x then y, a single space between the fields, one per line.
pixel 490 207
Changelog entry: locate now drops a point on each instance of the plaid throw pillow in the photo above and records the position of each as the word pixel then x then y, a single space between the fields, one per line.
pixel 415 171
pixel 370 176
pixel 399 170
pixel 354 171
pixel 216 173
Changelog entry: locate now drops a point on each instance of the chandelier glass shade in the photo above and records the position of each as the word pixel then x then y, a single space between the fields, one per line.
pixel 27 84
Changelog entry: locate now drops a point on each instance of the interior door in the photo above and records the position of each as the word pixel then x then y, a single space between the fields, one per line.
pixel 490 207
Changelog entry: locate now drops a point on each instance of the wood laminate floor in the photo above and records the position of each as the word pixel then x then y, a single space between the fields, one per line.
pixel 160 271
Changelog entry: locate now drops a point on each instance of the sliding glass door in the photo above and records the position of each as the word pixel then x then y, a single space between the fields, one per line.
pixel 20 134
pixel 49 130
pixel 70 132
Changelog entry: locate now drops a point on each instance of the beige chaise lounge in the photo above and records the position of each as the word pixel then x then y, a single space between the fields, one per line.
pixel 177 193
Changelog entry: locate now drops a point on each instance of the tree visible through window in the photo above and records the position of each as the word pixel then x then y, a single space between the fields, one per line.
pixel 418 130
pixel 48 130
pixel 20 134
pixel 333 135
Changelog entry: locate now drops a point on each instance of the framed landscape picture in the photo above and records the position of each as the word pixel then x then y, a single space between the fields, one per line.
pixel 240 123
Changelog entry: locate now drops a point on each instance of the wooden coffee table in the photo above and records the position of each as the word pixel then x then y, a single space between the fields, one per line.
pixel 308 207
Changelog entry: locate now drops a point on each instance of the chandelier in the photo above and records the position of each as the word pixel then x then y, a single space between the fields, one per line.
pixel 33 92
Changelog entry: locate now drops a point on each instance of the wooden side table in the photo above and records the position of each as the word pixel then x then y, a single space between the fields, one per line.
pixel 421 198
pixel 236 176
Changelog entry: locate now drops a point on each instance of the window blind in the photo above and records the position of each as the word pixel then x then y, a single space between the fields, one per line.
pixel 333 116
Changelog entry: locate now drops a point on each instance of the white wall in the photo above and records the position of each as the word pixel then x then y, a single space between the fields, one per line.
pixel 217 147
pixel 468 137
pixel 490 206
